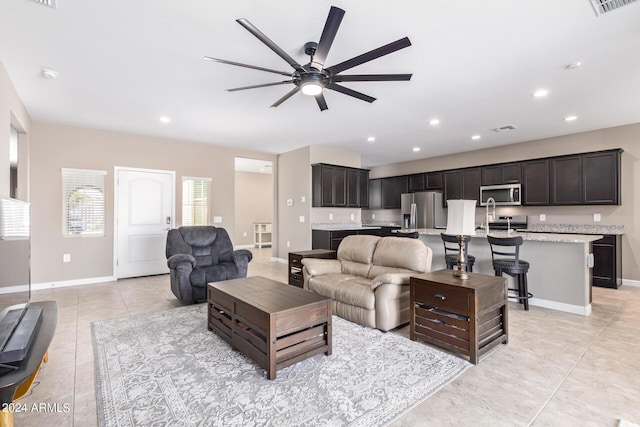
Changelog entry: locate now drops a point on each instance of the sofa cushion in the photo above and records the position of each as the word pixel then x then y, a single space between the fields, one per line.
pixel 355 268
pixel 357 249
pixel 399 255
pixel 353 290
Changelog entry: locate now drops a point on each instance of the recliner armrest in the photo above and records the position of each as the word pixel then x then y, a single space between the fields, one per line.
pixel 175 260
pixel 317 266
pixel 238 256
pixel 391 279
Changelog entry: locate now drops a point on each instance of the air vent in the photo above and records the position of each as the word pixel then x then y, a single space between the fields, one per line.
pixel 504 128
pixel 604 6
pixel 50 3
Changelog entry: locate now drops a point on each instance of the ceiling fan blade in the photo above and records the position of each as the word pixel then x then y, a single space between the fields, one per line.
pixel 326 39
pixel 371 77
pixel 270 44
pixel 369 56
pixel 322 103
pixel 254 67
pixel 350 92
pixel 258 86
pixel 287 96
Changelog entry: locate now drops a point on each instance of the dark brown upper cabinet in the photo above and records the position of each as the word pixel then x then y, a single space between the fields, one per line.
pixel 462 184
pixel 601 173
pixel 416 182
pixel 392 188
pixel 433 181
pixel 506 173
pixel 375 193
pixel 471 179
pixel 452 185
pixel 338 186
pixel 535 182
pixel 566 180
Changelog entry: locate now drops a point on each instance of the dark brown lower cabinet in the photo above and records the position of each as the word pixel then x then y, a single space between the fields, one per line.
pixel 607 262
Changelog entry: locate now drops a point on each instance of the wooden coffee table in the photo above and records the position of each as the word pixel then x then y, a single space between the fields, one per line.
pixel 273 323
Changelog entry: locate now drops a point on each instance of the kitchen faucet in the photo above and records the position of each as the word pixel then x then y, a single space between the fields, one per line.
pixel 493 215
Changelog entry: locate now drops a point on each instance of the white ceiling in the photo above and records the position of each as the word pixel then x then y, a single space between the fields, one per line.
pixel 475 64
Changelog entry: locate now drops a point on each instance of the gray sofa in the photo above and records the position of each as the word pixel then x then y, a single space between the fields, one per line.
pixel 199 255
pixel 369 281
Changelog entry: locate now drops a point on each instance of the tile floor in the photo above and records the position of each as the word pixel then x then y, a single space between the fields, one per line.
pixel 558 369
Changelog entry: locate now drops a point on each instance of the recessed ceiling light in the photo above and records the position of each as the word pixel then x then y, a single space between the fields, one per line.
pixel 476 137
pixel 48 73
pixel 573 65
pixel 434 122
pixel 165 119
pixel 570 118
pixel 416 149
pixel 371 139
pixel 540 93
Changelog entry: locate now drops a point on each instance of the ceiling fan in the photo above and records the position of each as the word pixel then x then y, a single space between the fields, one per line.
pixel 313 77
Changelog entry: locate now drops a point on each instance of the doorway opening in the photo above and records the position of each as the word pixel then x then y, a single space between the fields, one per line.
pixel 253 203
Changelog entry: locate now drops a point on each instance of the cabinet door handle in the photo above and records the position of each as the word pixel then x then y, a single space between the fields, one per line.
pixel 440 297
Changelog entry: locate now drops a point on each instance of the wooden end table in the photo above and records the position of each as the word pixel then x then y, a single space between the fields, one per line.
pixel 273 323
pixel 468 317
pixel 295 263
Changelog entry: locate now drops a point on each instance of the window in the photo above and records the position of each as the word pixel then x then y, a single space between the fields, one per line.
pixel 83 207
pixel 195 201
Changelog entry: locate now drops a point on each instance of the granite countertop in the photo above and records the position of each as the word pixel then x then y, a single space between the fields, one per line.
pixel 534 237
pixel 576 229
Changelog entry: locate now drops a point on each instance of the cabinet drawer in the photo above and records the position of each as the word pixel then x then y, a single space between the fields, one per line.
pixel 444 297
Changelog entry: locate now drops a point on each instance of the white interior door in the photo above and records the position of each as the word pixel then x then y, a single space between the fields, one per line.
pixel 144 215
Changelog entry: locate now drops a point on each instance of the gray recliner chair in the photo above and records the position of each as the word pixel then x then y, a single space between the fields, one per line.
pixel 199 255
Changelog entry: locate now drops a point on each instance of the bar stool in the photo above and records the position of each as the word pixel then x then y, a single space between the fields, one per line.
pixel 508 248
pixel 451 245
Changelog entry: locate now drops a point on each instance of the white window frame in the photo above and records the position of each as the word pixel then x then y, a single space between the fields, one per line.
pixel 89 219
pixel 191 209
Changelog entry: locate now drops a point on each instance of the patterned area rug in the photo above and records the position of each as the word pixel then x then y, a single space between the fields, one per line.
pixel 167 369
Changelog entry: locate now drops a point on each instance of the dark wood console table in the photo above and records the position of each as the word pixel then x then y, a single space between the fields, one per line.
pixel 15 384
pixel 468 317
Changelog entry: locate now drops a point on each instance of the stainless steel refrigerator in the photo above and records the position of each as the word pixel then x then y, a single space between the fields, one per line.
pixel 423 210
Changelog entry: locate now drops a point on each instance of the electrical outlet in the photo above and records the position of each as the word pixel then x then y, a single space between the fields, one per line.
pixel 244 234
pixel 596 217
pixel 303 199
pixel 301 218
pixel 330 217
pixel 217 219
pixel 352 217
pixel 66 258
pixel 373 216
pixel 288 244
pixel 543 217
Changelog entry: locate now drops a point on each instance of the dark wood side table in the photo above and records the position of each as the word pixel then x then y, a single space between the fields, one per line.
pixel 295 263
pixel 468 317
pixel 16 383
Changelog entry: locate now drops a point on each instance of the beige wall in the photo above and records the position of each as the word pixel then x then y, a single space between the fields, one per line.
pixel 627 214
pixel 13 113
pixel 293 182
pixel 56 146
pixel 254 203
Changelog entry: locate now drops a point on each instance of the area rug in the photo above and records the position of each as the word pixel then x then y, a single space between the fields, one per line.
pixel 167 369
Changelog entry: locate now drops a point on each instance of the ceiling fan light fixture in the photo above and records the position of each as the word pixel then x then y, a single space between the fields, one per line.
pixel 311 88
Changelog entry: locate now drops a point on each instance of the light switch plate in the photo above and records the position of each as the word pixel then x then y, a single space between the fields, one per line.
pixel 330 217
pixel 543 217
pixel 352 217
pixel 596 217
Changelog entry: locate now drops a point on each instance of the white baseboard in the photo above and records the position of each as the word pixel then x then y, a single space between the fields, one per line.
pixel 14 289
pixel 629 282
pixel 243 247
pixel 560 306
pixel 76 282
pixel 284 261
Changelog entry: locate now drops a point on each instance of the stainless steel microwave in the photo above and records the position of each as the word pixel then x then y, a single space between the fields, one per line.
pixel 504 195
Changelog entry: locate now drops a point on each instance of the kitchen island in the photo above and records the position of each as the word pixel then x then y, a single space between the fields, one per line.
pixel 559 277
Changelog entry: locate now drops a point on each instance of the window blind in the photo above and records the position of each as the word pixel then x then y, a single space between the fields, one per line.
pixel 83 205
pixel 14 219
pixel 195 201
